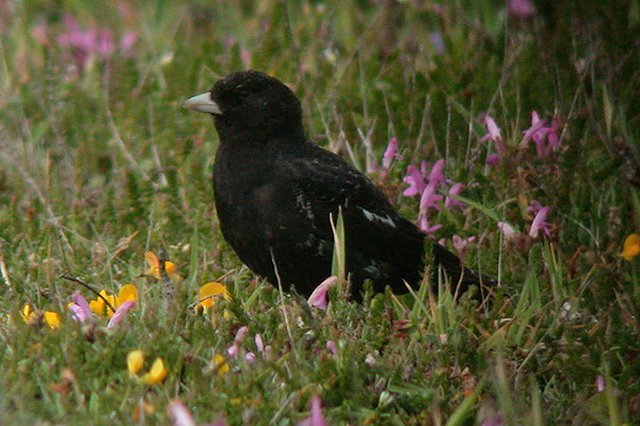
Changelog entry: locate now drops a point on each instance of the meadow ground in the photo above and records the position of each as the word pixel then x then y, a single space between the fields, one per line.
pixel 534 111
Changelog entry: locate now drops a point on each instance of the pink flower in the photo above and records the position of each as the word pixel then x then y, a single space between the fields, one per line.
pixel 331 347
pixel 250 357
pixel 80 310
pixel 600 383
pixel 451 200
pixel 539 224
pixel 461 244
pixel 429 198
pixel 423 224
pixel 120 313
pixel 127 42
pixel 521 9
pixel 435 175
pixel 234 349
pixel 545 137
pixel 495 135
pixel 320 296
pixel 391 153
pixel 416 181
pixel 507 230
pixel 181 414
pixel 493 159
pixel 259 343
pixel 494 132
pixel 316 418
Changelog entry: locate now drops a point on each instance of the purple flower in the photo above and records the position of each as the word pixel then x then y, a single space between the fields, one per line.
pixel 320 296
pixel 600 383
pixel 521 9
pixel 437 41
pixel 316 418
pixel 539 224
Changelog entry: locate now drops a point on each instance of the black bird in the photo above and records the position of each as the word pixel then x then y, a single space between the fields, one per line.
pixel 275 191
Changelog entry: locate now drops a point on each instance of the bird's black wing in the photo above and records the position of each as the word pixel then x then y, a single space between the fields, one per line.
pixel 381 245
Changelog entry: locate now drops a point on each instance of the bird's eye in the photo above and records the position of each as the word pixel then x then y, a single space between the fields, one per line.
pixel 243 93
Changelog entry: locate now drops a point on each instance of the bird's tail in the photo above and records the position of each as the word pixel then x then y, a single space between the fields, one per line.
pixel 461 277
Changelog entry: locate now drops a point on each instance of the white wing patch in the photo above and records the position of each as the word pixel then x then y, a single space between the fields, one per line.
pixel 304 206
pixel 372 217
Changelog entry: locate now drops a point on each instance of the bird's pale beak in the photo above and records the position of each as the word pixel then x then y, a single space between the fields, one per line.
pixel 203 103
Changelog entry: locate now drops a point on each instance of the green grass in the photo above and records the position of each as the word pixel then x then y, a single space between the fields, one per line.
pixel 100 165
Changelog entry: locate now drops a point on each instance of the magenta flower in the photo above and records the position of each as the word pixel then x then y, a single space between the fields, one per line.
pixel 320 295
pixel 316 418
pixel 521 9
pixel 539 224
pixel 390 154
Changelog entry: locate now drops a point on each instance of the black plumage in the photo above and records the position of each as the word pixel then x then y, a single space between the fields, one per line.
pixel 275 191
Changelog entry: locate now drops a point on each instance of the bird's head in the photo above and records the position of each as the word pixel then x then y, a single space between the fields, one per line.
pixel 250 105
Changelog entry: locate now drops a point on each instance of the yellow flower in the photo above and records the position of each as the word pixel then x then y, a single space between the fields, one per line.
pixel 52 319
pixel 209 292
pixel 135 361
pixel 127 292
pixel 157 374
pixel 222 366
pixel 631 247
pixel 154 267
pixel 31 317
pixel 27 312
pixel 99 307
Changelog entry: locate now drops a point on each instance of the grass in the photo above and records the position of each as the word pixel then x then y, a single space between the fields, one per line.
pixel 100 164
